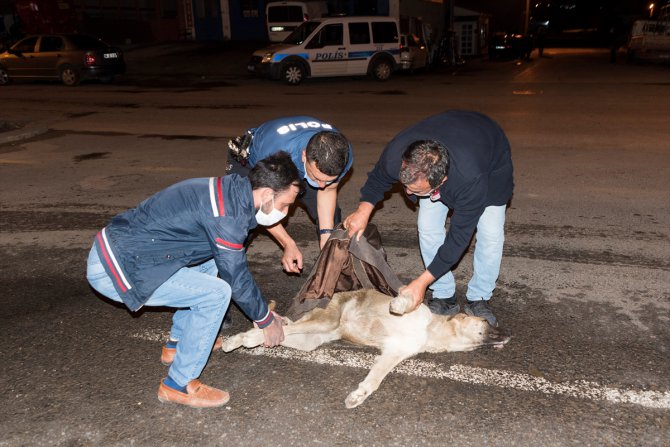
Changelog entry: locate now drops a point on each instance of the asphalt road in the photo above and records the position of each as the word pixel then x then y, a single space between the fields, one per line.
pixel 584 286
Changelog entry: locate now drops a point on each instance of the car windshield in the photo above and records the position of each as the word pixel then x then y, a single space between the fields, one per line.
pixel 301 33
pixel 84 42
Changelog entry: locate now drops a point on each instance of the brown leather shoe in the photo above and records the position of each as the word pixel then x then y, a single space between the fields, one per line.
pixel 197 395
pixel 167 354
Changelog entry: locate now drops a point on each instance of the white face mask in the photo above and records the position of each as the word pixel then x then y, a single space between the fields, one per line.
pixel 271 218
pixel 310 181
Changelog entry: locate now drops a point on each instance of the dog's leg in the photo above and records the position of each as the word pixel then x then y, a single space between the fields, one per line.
pixel 308 342
pixel 305 336
pixel 383 365
pixel 249 339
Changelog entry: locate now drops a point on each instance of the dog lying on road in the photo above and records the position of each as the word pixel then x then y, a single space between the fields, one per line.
pixel 370 318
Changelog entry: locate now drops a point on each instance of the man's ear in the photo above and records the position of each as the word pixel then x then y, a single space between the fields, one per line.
pixel 304 156
pixel 267 194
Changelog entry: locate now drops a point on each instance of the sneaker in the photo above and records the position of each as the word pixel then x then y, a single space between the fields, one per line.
pixel 441 306
pixel 197 395
pixel 167 354
pixel 480 309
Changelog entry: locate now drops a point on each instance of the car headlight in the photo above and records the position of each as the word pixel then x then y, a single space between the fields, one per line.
pixel 267 57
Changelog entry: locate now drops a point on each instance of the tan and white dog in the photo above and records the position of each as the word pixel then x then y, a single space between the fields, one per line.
pixel 370 318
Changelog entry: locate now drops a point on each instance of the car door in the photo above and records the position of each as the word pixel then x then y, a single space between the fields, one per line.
pixel 50 51
pixel 360 47
pixel 21 58
pixel 327 52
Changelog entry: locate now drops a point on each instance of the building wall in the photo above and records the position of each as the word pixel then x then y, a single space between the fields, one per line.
pixel 247 19
pixel 130 21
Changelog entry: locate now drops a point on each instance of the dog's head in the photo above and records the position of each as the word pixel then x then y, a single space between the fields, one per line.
pixel 472 332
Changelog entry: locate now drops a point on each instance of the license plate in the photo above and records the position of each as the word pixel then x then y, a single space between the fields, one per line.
pixel 110 55
pixel 251 68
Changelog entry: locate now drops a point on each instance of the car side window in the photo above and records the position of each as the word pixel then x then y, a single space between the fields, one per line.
pixel 27 45
pixel 329 35
pixel 359 33
pixel 384 32
pixel 51 43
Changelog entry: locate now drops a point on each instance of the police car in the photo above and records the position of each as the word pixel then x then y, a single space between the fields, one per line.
pixel 334 46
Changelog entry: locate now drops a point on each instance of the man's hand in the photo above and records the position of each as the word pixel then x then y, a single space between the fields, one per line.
pixel 417 289
pixel 357 221
pixel 274 332
pixel 291 261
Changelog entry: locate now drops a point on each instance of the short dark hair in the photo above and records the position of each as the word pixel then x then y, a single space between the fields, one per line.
pixel 277 172
pixel 424 160
pixel 329 150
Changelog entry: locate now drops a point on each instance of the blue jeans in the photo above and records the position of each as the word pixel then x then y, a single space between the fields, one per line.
pixel 490 237
pixel 201 300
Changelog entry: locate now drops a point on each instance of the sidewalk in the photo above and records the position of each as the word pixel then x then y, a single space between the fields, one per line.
pixel 216 59
pixel 166 64
pixel 11 132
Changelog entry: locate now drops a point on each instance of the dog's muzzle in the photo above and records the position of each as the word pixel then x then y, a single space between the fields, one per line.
pixel 497 337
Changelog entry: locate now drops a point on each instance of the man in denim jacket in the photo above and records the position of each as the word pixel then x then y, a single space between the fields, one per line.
pixel 168 252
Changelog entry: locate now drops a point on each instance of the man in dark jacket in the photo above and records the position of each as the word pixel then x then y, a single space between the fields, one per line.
pixel 457 160
pixel 168 252
pixel 323 157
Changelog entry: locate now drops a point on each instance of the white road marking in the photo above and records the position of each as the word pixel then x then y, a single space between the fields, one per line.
pixel 461 373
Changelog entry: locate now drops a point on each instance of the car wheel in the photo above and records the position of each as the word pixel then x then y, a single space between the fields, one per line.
pixel 381 70
pixel 4 77
pixel 293 73
pixel 69 76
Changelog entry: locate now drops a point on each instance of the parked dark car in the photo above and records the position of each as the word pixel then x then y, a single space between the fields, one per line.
pixel 510 46
pixel 69 58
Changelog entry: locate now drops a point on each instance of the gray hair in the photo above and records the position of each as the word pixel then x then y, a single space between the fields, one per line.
pixel 424 160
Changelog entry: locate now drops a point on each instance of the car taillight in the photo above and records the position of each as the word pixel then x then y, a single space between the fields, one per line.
pixel 90 59
pixel 305 17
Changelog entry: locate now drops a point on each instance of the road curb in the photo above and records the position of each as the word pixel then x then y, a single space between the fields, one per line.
pixel 22 134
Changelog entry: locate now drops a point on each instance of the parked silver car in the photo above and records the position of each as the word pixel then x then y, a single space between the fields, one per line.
pixel 68 58
pixel 413 53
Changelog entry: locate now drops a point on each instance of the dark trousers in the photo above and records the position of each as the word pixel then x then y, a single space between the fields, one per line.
pixel 307 198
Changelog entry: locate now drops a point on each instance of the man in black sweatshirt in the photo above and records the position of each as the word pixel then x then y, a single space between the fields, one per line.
pixel 457 160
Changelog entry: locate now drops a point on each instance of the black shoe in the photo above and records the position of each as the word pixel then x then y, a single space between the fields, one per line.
pixel 480 309
pixel 447 306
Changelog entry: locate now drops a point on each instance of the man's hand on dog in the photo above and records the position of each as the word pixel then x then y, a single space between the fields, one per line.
pixel 274 332
pixel 417 289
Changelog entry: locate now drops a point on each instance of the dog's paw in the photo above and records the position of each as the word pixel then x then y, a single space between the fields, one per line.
pixel 231 343
pixel 356 397
pixel 401 304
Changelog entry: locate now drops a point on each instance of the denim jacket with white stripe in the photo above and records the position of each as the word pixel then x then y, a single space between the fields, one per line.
pixel 185 224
